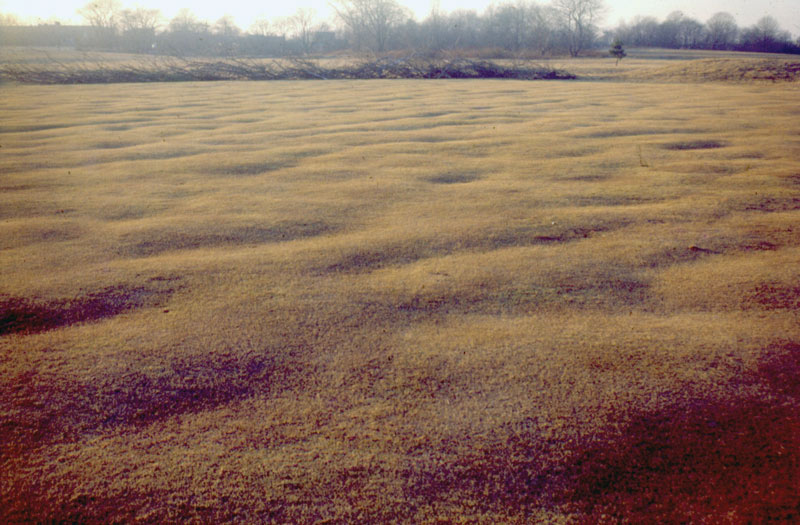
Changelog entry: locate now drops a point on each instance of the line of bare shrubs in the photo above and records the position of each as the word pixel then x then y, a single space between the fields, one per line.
pixel 170 69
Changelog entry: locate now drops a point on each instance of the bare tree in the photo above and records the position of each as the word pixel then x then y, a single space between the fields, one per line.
pixel 261 27
pixel 139 18
pixel 434 28
pixel 765 36
pixel 543 20
pixel 282 26
pixel 465 28
pixel 139 28
pixel 579 19
pixel 186 22
pixel 690 33
pixel 302 24
pixel 226 27
pixel 226 32
pixel 722 30
pixel 371 21
pixel 509 24
pixel 643 31
pixel 266 37
pixel 187 34
pixel 669 31
pixel 103 16
pixel 8 19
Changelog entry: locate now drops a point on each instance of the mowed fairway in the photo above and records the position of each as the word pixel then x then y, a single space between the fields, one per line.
pixel 361 301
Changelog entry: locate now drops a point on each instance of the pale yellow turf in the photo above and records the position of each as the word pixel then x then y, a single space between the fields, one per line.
pixel 388 300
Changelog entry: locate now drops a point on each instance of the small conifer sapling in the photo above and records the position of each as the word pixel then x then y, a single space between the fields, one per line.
pixel 617 51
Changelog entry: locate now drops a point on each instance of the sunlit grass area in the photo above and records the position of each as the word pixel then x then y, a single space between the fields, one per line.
pixel 414 301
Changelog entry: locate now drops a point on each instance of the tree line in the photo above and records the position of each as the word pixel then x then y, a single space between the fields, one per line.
pixel 380 26
pixel 720 31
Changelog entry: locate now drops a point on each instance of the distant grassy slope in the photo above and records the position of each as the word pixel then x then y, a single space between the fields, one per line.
pixel 727 70
pixel 680 66
pixel 360 301
pixel 62 66
pixel 33 66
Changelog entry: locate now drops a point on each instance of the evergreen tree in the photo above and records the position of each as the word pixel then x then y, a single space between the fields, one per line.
pixel 617 51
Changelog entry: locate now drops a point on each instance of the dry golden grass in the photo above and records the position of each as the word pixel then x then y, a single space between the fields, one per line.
pixel 365 301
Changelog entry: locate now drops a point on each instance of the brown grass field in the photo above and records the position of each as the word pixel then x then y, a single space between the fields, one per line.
pixel 401 301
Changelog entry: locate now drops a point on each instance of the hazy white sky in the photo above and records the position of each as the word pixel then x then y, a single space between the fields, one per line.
pixel 746 12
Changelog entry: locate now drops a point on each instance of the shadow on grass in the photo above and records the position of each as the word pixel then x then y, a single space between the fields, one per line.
pixel 714 460
pixel 252 168
pixel 45 407
pixel 368 260
pixel 694 144
pixel 48 409
pixel 19 315
pixel 584 291
pixel 453 178
pixel 708 460
pixel 154 243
